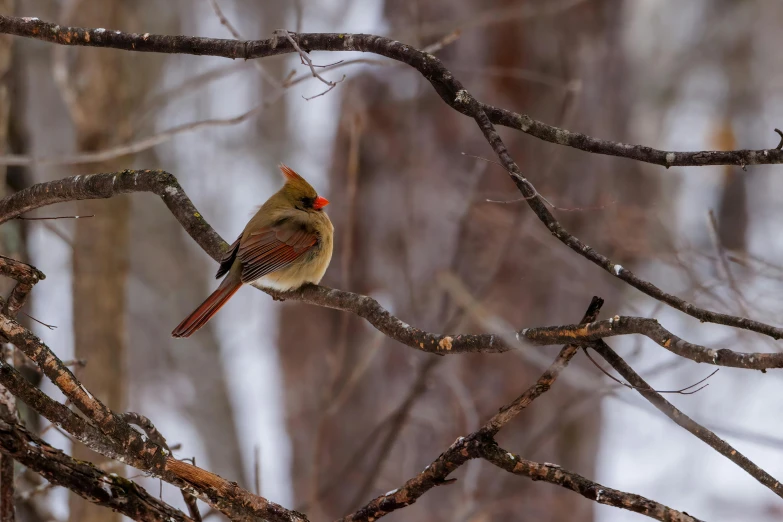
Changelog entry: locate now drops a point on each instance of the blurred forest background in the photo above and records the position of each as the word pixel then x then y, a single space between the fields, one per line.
pixel 314 407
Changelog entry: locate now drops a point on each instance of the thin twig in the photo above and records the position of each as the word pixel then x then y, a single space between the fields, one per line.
pixel 309 62
pixel 53 217
pixel 681 391
pixel 49 326
pixel 269 77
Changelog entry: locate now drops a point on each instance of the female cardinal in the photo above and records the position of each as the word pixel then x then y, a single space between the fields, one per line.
pixel 286 244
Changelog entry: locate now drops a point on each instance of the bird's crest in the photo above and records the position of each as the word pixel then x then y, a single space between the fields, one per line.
pixel 295 185
pixel 289 174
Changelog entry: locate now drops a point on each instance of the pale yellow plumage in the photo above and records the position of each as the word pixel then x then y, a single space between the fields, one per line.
pixel 285 245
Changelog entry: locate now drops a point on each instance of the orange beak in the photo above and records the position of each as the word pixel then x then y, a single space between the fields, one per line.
pixel 320 203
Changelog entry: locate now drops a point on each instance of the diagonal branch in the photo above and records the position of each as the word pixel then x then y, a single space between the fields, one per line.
pixel 125 443
pixel 471 106
pixel 705 435
pixel 554 474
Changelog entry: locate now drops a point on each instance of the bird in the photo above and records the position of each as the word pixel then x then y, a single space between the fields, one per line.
pixel 285 245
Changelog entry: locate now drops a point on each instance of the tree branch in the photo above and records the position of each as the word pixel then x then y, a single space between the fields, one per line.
pixel 705 435
pixel 554 474
pixel 481 444
pixel 430 67
pixel 102 186
pixel 26 276
pixel 157 437
pixel 84 479
pixel 128 445
pixel 651 328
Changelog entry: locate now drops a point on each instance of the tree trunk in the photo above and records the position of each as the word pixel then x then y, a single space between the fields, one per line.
pixel 100 98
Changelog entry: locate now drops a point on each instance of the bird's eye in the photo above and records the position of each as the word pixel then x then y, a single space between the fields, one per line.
pixel 307 202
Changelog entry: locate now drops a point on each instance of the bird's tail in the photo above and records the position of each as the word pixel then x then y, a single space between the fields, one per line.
pixel 208 308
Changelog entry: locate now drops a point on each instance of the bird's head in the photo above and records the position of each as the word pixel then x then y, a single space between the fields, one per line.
pixel 299 192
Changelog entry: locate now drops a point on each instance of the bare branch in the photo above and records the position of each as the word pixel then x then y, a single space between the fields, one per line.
pixel 127 444
pixel 544 382
pixel 651 328
pixel 152 432
pixel 84 479
pixel 464 99
pixel 21 272
pixel 427 64
pixel 481 444
pixel 712 440
pixel 26 276
pixel 554 474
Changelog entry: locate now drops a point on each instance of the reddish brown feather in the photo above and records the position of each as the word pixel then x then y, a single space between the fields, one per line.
pixel 208 308
pixel 271 249
pixel 289 173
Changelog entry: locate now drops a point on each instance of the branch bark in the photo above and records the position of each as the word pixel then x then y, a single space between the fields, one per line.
pixel 429 66
pixel 128 445
pixel 89 482
pixel 651 328
pixel 26 276
pixel 554 474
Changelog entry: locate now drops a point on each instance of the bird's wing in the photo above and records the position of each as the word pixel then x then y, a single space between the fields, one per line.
pixel 228 259
pixel 269 249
